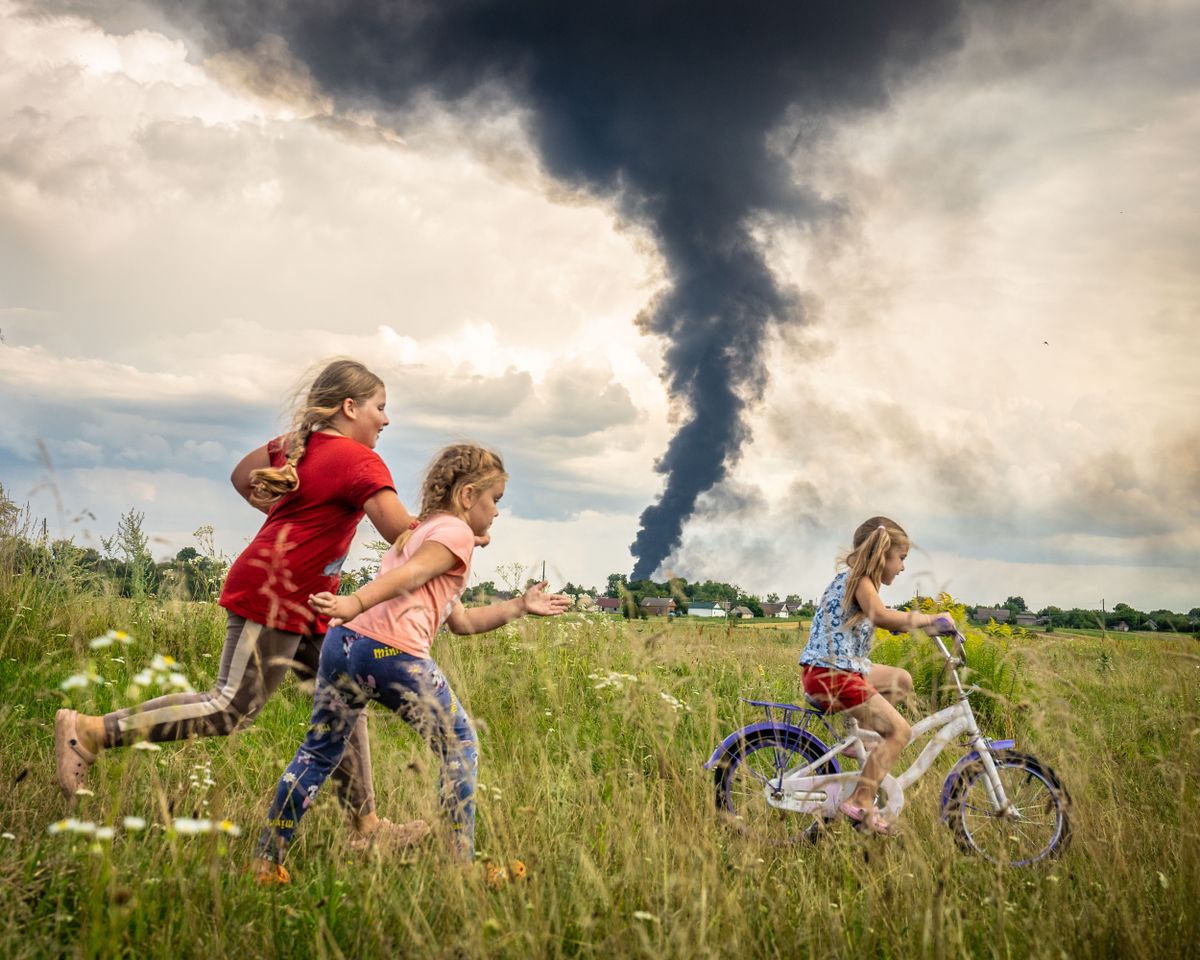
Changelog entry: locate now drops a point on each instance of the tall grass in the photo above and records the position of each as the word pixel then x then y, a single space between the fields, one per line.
pixel 594 780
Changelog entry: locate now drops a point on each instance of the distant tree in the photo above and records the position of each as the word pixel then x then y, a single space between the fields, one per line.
pixel 187 554
pixel 616 583
pixel 9 512
pixel 1014 605
pixel 772 598
pixel 130 547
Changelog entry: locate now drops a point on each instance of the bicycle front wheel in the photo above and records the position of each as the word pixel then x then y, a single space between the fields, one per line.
pixel 743 781
pixel 1035 825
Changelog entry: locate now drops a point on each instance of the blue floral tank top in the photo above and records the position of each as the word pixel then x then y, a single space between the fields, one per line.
pixel 831 643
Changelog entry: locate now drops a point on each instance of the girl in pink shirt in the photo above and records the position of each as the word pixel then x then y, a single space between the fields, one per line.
pixel 378 650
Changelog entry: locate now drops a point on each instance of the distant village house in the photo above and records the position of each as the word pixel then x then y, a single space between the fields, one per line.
pixel 984 614
pixel 707 608
pixel 658 606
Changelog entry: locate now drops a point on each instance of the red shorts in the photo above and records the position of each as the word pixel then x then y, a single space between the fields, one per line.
pixel 836 690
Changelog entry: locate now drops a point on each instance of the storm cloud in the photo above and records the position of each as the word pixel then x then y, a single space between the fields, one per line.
pixel 666 110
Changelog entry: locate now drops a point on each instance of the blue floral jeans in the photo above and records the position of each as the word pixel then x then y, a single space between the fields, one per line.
pixel 355 670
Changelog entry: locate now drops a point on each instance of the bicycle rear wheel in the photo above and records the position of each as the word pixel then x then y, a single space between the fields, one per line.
pixel 1037 825
pixel 742 780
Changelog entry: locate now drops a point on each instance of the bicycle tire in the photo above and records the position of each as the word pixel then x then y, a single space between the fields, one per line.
pixel 741 777
pixel 1041 828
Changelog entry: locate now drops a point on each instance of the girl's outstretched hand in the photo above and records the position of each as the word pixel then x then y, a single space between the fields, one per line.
pixel 542 604
pixel 335 606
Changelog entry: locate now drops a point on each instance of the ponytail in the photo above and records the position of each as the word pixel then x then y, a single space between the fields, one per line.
pixel 340 380
pixel 872 541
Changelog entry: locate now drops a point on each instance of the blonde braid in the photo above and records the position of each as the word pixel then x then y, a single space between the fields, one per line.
pixel 453 469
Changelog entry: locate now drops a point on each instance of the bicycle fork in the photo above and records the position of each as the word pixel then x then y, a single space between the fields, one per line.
pixel 992 786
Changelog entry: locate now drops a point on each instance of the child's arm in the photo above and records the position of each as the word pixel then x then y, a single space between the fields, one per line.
pixel 482 619
pixel 388 515
pixel 880 614
pixel 432 559
pixel 391 518
pixel 259 459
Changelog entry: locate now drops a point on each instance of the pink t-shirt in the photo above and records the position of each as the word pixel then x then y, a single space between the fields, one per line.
pixel 408 623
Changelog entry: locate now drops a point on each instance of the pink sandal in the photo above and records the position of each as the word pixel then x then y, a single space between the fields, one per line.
pixel 864 818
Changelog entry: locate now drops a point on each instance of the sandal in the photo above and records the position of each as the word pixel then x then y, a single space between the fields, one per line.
pixel 864 818
pixel 267 873
pixel 392 837
pixel 71 758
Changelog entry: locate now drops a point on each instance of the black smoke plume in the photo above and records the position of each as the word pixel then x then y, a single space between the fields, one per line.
pixel 665 107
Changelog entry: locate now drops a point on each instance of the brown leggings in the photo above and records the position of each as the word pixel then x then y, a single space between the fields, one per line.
pixel 253 664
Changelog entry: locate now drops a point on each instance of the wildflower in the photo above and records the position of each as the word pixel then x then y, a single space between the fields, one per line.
pixel 676 705
pixel 133 824
pixel 72 825
pixel 109 638
pixel 84 792
pixel 229 827
pixel 612 679
pixel 146 745
pixel 104 833
pixel 190 827
pixel 79 680
pixel 7 836
pixel 643 915
pixel 162 672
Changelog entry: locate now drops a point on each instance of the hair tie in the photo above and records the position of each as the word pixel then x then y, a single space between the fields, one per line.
pixel 881 527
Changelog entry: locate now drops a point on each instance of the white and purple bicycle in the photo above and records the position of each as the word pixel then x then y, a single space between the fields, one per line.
pixel 779 781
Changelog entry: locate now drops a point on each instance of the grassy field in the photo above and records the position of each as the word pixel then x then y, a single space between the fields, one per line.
pixel 594 780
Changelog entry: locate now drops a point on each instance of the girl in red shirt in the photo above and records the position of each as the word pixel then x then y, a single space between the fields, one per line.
pixel 315 483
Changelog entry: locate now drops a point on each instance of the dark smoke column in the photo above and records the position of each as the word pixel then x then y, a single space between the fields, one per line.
pixel 664 108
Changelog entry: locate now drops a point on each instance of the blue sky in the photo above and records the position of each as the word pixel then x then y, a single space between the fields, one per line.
pixel 997 348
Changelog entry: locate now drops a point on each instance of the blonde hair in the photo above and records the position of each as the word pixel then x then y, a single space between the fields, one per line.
pixel 455 468
pixel 872 541
pixel 340 380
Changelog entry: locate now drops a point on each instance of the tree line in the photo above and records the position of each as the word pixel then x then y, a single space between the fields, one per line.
pixel 124 564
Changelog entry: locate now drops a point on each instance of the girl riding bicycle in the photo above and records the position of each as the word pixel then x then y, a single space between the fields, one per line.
pixel 836 670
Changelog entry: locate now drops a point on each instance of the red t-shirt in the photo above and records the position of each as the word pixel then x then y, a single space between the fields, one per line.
pixel 306 539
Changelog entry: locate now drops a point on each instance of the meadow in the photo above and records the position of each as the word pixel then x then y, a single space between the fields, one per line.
pixel 593 735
